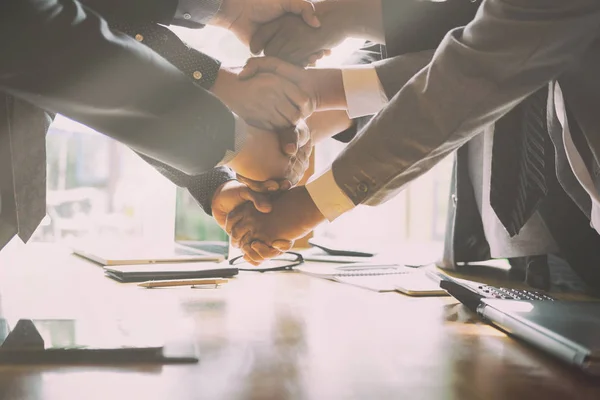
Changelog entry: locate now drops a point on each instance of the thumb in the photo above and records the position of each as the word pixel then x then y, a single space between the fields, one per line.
pixel 273 65
pixel 260 201
pixel 256 65
pixel 289 141
pixel 282 245
pixel 304 8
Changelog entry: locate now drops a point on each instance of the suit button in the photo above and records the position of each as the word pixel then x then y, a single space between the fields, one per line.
pixel 139 37
pixel 197 75
pixel 362 188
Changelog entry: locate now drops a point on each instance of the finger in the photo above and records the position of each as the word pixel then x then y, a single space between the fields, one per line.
pixel 264 251
pixel 261 187
pixel 289 112
pixel 233 218
pixel 281 46
pixel 303 132
pixel 241 232
pixel 285 185
pixel 283 245
pixel 280 117
pixel 274 65
pixel 261 202
pixel 304 8
pixel 264 35
pixel 257 65
pixel 250 261
pixel 316 56
pixel 312 60
pixel 300 99
pixel 251 255
pixel 288 140
pixel 298 166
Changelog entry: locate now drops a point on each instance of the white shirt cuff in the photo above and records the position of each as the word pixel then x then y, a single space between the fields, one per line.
pixel 364 93
pixel 239 141
pixel 328 197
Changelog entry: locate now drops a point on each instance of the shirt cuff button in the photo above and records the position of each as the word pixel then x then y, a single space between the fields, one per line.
pixel 187 16
pixel 362 188
pixel 197 75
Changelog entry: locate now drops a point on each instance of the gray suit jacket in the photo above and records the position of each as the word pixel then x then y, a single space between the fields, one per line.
pixel 510 49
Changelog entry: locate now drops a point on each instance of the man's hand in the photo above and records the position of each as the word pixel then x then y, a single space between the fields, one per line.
pixel 261 158
pixel 244 17
pixel 290 39
pixel 259 235
pixel 231 195
pixel 325 86
pixel 266 100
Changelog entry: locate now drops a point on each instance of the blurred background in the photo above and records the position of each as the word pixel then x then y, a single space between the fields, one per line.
pixel 98 188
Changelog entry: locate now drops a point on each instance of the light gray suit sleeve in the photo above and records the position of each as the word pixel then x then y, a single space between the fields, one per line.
pixel 395 72
pixel 478 73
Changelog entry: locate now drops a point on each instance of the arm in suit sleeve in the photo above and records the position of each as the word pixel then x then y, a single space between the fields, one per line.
pixel 187 13
pixel 63 57
pixel 477 75
pixel 202 187
pixel 390 76
pixel 393 74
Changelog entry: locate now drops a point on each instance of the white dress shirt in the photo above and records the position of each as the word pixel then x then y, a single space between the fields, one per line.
pixel 576 161
pixel 365 96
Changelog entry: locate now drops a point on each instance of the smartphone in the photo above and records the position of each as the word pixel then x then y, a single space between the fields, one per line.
pixel 418 284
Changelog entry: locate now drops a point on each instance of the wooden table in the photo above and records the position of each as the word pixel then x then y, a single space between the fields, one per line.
pixel 278 336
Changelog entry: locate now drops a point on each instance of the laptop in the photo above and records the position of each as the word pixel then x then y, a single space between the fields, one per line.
pixel 162 271
pixel 568 330
pixel 133 252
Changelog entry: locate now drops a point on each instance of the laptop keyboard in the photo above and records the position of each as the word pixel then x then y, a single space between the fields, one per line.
pixel 493 292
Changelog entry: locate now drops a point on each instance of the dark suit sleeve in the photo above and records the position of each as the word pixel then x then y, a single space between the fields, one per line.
pixel 198 67
pixel 202 187
pixel 62 57
pixel 414 25
pixel 136 11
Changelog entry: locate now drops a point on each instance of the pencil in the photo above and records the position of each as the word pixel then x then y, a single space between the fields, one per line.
pixel 181 282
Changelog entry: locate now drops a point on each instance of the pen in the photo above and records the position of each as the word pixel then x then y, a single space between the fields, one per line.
pixel 182 282
pixel 465 295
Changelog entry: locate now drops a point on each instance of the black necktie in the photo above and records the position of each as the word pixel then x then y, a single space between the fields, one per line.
pixel 8 210
pixel 28 140
pixel 22 168
pixel 521 145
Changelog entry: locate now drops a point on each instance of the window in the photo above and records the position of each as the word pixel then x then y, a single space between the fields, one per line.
pixel 98 188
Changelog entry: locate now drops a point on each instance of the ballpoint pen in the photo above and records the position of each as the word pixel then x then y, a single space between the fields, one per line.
pixel 182 282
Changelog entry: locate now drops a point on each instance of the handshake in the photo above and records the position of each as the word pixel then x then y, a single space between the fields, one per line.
pixel 274 96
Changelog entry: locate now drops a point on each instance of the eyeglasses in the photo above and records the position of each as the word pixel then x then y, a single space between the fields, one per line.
pixel 285 262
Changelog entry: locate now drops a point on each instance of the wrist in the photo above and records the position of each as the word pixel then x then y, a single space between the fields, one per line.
pixel 329 88
pixel 226 78
pixel 240 138
pixel 219 190
pixel 311 216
